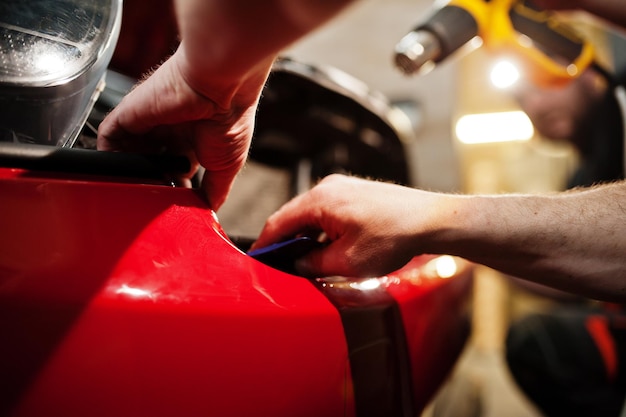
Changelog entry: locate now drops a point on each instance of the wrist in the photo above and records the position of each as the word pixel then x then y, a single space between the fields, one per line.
pixel 457 224
pixel 437 221
pixel 227 88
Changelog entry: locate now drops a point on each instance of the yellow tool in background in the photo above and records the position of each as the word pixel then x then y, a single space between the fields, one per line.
pixel 546 50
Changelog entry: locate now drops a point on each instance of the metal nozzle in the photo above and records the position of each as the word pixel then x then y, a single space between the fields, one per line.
pixel 415 50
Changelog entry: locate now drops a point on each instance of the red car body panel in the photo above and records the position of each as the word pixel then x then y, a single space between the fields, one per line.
pixel 123 298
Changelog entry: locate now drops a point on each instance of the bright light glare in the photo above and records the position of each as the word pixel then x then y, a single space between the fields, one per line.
pixel 368 284
pixel 494 127
pixel 504 74
pixel 49 61
pixel 445 266
pixel 134 292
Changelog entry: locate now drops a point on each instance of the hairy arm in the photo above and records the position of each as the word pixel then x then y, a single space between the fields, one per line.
pixel 573 241
pixel 225 43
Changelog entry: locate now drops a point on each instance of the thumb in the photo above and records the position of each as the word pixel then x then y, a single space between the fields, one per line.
pixel 217 185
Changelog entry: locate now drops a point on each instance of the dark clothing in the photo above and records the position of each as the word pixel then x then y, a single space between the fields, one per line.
pixel 602 157
pixel 572 361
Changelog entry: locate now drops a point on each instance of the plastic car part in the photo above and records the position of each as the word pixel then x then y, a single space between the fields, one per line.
pixel 128 299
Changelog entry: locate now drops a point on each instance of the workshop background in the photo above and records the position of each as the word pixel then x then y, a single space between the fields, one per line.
pixel 361 42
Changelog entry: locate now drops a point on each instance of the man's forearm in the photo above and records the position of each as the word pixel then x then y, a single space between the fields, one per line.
pixel 575 241
pixel 224 41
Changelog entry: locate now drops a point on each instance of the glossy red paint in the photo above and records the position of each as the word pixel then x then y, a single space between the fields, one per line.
pixel 127 299
pixel 436 322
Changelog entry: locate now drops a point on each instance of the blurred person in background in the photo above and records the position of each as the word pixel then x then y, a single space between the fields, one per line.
pixel 586 114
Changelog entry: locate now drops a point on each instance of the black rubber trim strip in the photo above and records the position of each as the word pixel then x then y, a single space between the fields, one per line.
pixel 91 162
pixel 377 349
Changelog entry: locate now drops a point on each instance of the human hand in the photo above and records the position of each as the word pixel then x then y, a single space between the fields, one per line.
pixel 372 226
pixel 170 111
pixel 202 101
